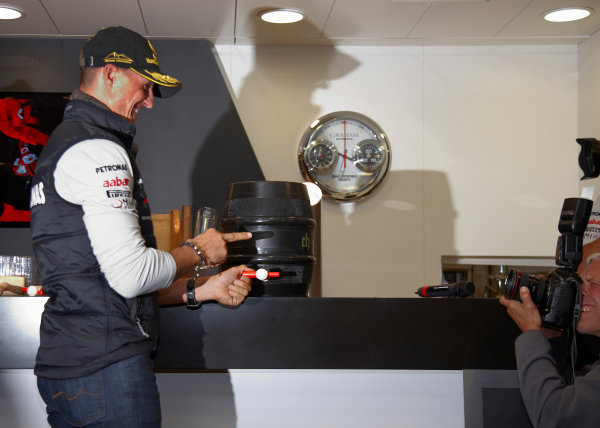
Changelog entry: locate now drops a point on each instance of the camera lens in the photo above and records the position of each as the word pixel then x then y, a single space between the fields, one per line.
pixel 535 284
pixel 553 294
pixel 512 285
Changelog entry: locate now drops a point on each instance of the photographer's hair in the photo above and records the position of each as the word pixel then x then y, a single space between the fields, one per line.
pixel 591 258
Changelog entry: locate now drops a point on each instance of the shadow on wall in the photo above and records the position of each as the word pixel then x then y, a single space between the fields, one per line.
pixel 193 144
pixel 439 233
pixel 18 85
pixel 222 154
pixel 393 240
pixel 224 157
pixel 276 97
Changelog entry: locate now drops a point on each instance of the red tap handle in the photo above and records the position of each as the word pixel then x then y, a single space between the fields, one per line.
pixel 261 274
pixel 32 291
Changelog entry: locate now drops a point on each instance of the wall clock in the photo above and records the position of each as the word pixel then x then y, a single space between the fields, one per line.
pixel 346 154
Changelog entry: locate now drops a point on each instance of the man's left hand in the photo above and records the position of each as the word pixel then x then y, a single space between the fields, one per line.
pixel 525 314
pixel 229 287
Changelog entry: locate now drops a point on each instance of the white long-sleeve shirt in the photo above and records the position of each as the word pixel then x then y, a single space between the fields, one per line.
pixel 97 175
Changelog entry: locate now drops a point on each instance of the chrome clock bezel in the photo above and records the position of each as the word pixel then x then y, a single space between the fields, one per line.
pixel 347 178
pixel 308 150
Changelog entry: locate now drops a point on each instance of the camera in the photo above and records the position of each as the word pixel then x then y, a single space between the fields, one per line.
pixel 556 293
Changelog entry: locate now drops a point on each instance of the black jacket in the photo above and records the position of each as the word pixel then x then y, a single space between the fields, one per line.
pixel 85 325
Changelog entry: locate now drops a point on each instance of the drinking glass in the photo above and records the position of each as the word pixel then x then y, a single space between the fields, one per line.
pixel 206 217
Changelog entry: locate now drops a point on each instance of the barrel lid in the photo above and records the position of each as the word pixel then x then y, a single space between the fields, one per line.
pixel 266 190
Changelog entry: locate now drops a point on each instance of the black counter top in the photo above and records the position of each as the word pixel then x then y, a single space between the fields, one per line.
pixel 306 333
pixel 340 333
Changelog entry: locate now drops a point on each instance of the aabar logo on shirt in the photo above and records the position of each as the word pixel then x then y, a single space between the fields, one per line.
pixel 116 182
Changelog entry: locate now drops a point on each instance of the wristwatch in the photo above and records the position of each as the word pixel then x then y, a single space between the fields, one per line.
pixel 192 303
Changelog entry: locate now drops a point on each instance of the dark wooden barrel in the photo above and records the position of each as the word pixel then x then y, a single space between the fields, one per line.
pixel 279 215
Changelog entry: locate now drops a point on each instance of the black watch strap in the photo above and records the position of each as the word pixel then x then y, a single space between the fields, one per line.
pixel 191 295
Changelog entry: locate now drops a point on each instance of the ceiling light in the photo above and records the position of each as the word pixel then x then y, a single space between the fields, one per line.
pixel 281 16
pixel 8 11
pixel 567 14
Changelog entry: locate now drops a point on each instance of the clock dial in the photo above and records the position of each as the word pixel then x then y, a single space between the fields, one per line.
pixel 346 154
pixel 320 155
pixel 369 155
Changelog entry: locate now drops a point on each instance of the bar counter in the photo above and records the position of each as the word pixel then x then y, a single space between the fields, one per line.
pixel 296 362
pixel 306 333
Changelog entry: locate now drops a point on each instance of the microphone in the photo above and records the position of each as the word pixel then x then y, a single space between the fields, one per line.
pixel 460 289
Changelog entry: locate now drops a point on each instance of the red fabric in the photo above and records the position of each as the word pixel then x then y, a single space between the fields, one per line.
pixel 16 121
pixel 11 214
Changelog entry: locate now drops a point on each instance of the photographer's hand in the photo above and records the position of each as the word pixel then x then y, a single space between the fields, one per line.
pixel 525 314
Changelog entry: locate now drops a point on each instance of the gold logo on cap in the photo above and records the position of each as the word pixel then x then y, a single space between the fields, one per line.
pixel 154 59
pixel 117 57
pixel 163 79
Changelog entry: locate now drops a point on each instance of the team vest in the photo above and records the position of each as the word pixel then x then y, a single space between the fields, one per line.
pixel 85 325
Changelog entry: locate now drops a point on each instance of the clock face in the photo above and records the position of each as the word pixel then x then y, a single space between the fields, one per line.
pixel 321 155
pixel 346 154
pixel 368 155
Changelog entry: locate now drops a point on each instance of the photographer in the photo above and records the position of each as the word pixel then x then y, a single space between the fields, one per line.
pixel 547 397
pixel 591 238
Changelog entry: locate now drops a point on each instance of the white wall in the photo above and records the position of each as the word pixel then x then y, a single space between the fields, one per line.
pixel 589 96
pixel 589 88
pixel 483 150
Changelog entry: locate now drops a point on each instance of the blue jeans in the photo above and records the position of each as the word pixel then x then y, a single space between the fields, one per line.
pixel 123 394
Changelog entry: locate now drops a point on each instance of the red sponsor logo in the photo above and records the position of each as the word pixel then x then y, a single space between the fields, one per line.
pixel 116 182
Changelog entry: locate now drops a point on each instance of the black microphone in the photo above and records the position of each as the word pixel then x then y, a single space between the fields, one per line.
pixel 460 289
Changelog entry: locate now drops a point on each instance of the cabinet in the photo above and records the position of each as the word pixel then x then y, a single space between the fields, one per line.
pixel 489 273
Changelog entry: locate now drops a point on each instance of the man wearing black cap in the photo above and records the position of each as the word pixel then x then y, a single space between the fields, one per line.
pixel 95 248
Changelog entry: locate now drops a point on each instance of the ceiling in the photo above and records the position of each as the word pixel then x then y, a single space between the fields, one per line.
pixel 359 22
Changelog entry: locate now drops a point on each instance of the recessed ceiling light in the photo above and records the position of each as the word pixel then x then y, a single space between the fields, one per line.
pixel 281 16
pixel 567 14
pixel 8 11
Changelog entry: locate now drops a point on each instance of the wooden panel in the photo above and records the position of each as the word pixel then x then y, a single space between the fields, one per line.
pixel 162 231
pixel 172 229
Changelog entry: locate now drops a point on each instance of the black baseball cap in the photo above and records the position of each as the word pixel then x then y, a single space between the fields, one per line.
pixel 127 49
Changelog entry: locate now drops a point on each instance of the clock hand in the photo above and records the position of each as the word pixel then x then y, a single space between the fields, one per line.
pixel 347 157
pixel 345 150
pixel 343 165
